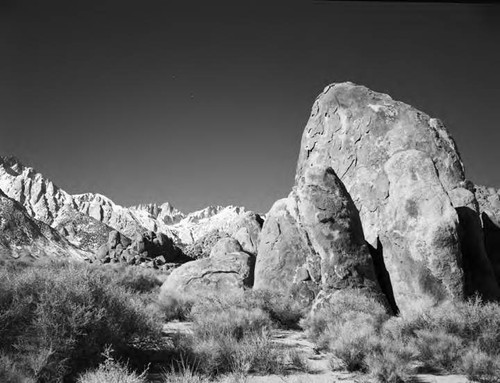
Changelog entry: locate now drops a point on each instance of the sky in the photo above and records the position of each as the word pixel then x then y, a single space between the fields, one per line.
pixel 204 102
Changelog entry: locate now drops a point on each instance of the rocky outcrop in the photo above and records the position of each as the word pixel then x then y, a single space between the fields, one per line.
pixel 151 249
pixel 105 210
pixel 405 176
pixel 202 247
pixel 41 198
pixel 313 241
pixel 488 199
pixel 82 231
pixel 45 201
pixel 237 222
pixel 157 217
pixel 224 271
pixel 23 237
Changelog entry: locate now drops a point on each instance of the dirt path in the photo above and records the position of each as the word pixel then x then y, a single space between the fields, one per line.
pixel 318 362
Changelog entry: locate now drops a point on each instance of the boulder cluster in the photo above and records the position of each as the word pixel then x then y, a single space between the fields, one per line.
pixel 380 203
pixel 150 249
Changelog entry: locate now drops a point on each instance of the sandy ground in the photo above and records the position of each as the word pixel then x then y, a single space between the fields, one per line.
pixel 318 362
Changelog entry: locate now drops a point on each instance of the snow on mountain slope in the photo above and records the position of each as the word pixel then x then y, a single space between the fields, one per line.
pixel 86 219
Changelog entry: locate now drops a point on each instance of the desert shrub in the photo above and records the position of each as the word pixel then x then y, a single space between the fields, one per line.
pixel 298 361
pixel 175 305
pixel 9 371
pixel 478 366
pixel 282 310
pixel 351 341
pixel 229 335
pixel 218 355
pixel 136 279
pixel 442 336
pixel 234 322
pixel 56 318
pixel 111 371
pixel 438 350
pixel 325 323
pixel 351 325
pixel 389 361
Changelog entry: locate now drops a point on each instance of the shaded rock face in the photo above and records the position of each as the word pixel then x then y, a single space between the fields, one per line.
pixel 225 271
pixel 150 249
pixel 313 241
pixel 27 238
pixel 489 205
pixel 405 176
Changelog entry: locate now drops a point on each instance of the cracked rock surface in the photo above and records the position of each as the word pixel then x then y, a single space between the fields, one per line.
pixel 404 174
pixel 226 270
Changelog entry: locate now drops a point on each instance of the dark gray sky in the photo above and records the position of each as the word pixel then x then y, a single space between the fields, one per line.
pixel 204 102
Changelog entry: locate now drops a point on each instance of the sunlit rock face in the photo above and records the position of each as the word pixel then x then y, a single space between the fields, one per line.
pixel 23 237
pixel 227 270
pixel 404 174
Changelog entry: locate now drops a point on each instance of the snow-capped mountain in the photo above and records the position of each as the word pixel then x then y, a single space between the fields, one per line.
pixel 86 220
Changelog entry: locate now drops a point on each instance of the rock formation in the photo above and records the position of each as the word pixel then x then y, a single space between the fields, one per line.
pixel 27 238
pixel 197 228
pixel 406 179
pixel 225 271
pixel 230 219
pixel 165 213
pixel 39 196
pixel 489 205
pixel 152 249
pixel 313 241
pixel 82 231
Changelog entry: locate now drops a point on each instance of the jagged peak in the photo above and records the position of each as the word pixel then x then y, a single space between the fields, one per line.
pixel 153 206
pixel 89 197
pixel 10 160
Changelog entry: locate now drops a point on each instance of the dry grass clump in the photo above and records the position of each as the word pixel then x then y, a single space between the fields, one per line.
pixel 57 318
pixel 111 371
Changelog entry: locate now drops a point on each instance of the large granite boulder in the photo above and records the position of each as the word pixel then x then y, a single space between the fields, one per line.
pixel 225 271
pixel 313 241
pixel 405 176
